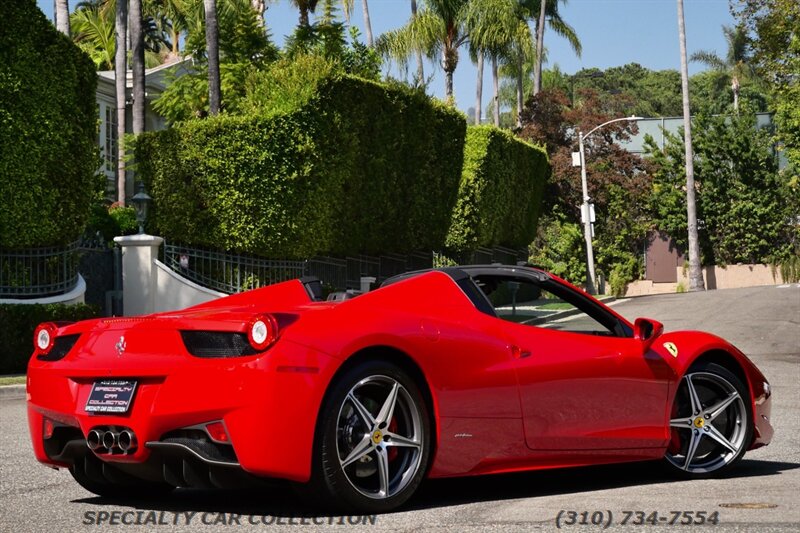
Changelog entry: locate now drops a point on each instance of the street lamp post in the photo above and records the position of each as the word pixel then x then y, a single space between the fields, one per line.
pixel 586 208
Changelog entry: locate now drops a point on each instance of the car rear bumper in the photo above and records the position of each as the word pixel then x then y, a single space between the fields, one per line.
pixel 268 404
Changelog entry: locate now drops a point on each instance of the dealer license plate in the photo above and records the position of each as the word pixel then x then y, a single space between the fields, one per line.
pixel 111 396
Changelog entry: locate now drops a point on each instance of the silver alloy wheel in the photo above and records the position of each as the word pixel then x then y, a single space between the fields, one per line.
pixel 379 436
pixel 711 422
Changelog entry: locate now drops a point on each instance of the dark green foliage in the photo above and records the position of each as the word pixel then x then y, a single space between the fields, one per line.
pixel 19 322
pixel 501 190
pixel 105 222
pixel 346 166
pixel 746 206
pixel 48 123
pixel 245 47
pixel 559 248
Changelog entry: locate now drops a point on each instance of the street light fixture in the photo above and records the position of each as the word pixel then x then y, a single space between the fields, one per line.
pixel 140 202
pixel 586 208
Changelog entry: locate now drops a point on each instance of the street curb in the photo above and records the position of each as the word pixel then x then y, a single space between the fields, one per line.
pixel 12 392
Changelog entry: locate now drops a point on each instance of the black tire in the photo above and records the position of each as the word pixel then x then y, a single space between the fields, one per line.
pixel 89 475
pixel 398 446
pixel 716 436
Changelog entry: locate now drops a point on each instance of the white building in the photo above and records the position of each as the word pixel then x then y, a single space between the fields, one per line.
pixel 156 80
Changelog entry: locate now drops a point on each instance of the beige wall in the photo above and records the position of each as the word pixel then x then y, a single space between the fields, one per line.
pixel 173 291
pixel 715 277
pixel 148 285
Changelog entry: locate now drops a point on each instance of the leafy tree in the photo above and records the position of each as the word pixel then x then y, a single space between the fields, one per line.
pixel 618 180
pixel 244 45
pixel 737 66
pixel 773 27
pixel 744 204
pixel 558 248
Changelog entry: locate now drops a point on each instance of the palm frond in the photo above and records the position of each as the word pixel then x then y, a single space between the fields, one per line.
pixel 709 58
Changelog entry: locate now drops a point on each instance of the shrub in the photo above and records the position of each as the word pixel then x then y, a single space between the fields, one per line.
pixel 19 322
pixel 559 248
pixel 48 122
pixel 346 166
pixel 623 273
pixel 501 190
pixel 124 219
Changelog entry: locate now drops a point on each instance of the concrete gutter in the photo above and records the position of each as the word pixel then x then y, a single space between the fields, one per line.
pixel 12 392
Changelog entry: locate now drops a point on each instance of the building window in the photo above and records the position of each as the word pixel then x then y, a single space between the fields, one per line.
pixel 110 144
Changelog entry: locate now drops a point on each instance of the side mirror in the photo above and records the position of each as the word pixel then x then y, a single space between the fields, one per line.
pixel 647 331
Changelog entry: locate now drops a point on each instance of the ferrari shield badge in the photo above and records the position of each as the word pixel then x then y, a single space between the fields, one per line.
pixel 671 348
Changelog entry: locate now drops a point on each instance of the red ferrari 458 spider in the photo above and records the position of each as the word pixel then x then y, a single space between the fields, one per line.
pixel 439 373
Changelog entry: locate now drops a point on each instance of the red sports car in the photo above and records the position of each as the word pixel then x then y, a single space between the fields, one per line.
pixel 447 372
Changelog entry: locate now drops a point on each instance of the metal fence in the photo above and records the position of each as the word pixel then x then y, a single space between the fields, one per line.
pixel 227 272
pixel 38 272
pixel 230 273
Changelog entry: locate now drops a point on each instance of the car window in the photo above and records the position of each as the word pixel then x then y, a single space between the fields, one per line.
pixel 525 302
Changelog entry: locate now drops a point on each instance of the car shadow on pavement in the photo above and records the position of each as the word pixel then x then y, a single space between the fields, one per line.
pixel 281 501
pixel 534 484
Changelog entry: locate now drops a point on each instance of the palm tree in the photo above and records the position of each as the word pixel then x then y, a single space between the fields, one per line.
pixel 367 24
pixel 93 26
pixel 93 32
pixel 493 26
pixel 736 66
pixel 537 67
pixel 62 16
pixel 137 65
pixel 547 11
pixel 120 78
pixel 695 272
pixel 417 53
pixel 437 30
pixel 347 7
pixel 172 16
pixel 212 50
pixel 305 7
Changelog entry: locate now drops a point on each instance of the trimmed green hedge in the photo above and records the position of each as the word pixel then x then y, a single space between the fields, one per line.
pixel 19 322
pixel 345 166
pixel 48 128
pixel 501 191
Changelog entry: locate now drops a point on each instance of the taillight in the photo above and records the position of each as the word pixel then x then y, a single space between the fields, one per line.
pixel 262 332
pixel 44 337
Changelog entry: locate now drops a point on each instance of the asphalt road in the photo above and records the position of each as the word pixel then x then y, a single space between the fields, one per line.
pixel 763 322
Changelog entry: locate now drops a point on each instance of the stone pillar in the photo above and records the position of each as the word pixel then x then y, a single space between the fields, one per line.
pixel 139 281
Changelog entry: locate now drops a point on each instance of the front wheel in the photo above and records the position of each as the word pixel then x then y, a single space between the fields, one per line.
pixel 373 440
pixel 711 422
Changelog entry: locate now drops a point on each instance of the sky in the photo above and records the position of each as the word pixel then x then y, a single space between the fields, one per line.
pixel 612 32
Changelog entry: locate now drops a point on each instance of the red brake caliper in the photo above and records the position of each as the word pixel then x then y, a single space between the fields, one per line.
pixel 391 453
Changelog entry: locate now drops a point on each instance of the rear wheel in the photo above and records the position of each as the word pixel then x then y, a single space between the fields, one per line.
pixel 711 422
pixel 373 440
